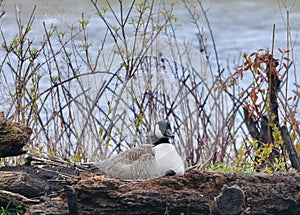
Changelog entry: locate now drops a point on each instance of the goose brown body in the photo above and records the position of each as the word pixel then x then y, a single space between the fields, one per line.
pixel 146 161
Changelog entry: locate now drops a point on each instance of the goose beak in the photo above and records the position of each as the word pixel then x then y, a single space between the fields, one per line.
pixel 168 133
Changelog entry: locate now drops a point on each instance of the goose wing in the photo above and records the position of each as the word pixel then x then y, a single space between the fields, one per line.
pixel 136 163
pixel 137 153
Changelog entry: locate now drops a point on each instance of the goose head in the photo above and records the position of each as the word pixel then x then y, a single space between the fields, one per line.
pixel 161 134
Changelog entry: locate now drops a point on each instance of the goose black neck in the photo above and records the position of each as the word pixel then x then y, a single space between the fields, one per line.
pixel 162 140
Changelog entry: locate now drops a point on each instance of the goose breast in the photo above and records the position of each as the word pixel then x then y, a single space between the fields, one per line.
pixel 167 159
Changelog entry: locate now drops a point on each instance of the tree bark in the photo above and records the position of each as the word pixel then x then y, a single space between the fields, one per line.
pixel 195 192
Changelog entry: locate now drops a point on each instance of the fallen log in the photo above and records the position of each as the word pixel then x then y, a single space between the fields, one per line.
pixel 199 192
pixel 13 137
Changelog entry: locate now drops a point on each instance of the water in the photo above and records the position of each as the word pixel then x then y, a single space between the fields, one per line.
pixel 238 25
pixel 245 26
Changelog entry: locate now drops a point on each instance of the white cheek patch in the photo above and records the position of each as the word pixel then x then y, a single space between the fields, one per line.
pixel 157 132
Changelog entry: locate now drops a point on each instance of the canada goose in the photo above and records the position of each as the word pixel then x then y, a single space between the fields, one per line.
pixel 157 158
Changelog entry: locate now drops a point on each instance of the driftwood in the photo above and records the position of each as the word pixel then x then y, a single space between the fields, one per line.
pixel 13 137
pixel 264 132
pixel 44 191
pixel 290 147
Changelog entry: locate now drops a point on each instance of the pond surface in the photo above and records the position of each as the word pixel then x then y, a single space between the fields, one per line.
pixel 238 25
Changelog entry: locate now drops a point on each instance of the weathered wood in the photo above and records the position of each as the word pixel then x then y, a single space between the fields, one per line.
pixel 290 147
pixel 264 135
pixel 251 124
pixel 33 185
pixel 41 191
pixel 16 198
pixel 22 183
pixel 13 137
pixel 265 194
pixel 72 200
pixel 194 192
pixel 55 206
pixel 273 89
pixel 230 201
